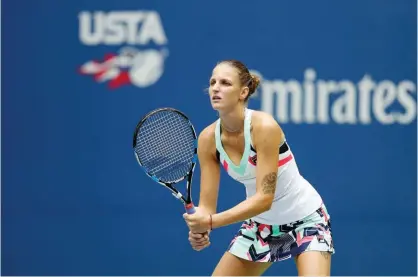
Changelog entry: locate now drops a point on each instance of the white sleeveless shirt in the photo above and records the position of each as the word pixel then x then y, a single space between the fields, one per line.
pixel 295 198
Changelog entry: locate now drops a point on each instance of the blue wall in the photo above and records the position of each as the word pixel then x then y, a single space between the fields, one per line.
pixel 339 77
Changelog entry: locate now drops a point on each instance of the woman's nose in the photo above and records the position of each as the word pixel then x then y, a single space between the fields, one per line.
pixel 215 87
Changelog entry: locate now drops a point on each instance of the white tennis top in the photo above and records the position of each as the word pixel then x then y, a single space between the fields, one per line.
pixel 294 198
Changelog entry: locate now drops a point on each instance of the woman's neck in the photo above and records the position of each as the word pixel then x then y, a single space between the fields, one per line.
pixel 233 121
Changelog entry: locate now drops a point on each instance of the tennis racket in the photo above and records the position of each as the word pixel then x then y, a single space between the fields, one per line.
pixel 165 146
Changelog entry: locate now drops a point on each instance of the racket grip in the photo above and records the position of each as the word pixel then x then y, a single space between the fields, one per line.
pixel 190 208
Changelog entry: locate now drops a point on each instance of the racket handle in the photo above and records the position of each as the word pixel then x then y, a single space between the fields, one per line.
pixel 190 208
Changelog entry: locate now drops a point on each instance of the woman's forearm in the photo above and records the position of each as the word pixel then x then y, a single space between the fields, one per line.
pixel 208 209
pixel 246 209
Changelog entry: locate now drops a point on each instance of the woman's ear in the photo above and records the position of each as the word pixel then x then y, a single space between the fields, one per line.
pixel 244 92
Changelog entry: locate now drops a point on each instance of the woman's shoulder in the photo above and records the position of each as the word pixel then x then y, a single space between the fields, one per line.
pixel 263 120
pixel 264 126
pixel 207 135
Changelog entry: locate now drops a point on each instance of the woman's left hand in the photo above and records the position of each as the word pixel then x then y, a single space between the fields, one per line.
pixel 199 222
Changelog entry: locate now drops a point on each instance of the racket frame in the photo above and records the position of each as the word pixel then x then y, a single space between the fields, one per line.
pixel 187 201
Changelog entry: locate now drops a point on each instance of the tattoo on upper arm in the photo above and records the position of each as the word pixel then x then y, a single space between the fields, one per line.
pixel 269 183
pixel 326 255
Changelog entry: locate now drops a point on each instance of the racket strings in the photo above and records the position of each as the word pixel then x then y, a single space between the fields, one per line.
pixel 165 145
pixel 161 137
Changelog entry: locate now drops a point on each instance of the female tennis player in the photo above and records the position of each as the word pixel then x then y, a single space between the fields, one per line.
pixel 283 216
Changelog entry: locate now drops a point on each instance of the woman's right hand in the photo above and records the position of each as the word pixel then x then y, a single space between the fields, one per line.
pixel 199 241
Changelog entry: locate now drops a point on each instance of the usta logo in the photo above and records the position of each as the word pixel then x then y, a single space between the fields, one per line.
pixel 129 65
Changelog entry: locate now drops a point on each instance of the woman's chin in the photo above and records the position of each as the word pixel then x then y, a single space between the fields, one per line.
pixel 217 106
pixel 221 107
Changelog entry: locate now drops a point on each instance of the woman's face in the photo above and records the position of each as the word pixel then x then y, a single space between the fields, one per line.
pixel 225 88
